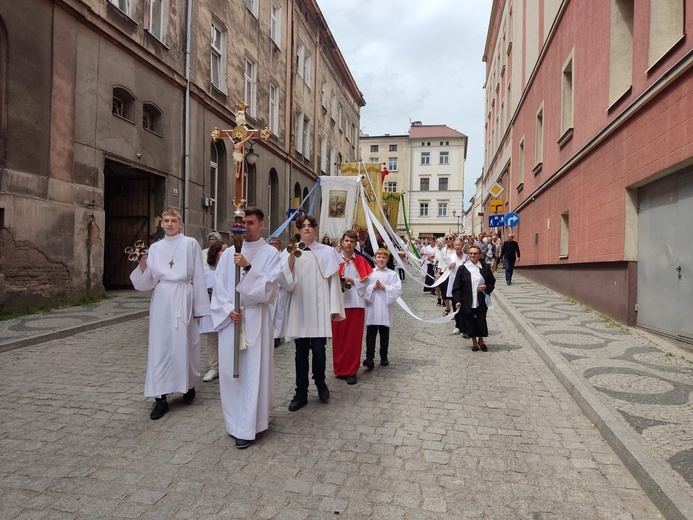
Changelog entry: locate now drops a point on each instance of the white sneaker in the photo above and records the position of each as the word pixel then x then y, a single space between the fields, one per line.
pixel 455 330
pixel 211 376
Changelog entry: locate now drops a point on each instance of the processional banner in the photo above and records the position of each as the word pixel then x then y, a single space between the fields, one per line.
pixel 339 199
pixel 372 187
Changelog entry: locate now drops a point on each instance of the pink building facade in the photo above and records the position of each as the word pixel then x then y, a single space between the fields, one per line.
pixel 590 121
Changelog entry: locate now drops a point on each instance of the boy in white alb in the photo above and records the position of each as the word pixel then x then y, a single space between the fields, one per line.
pixel 384 288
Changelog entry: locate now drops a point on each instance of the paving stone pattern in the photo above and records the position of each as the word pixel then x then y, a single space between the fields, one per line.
pixel 442 433
pixel 649 386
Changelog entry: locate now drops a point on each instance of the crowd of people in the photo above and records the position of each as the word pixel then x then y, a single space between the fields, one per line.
pixel 307 294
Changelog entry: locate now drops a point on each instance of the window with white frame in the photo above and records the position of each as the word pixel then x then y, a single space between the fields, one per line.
pixel 298 132
pixel 443 184
pixel 424 184
pixel 444 158
pixel 423 209
pixel 323 154
pixel 306 138
pixel 274 109
pixel 218 58
pixel 333 108
pixel 392 164
pixel 158 18
pixel 333 158
pixel 123 104
pixel 375 159
pixel 340 113
pixel 300 59
pixel 122 5
pixel 152 119
pixel 276 25
pixel 323 95
pixel 307 66
pixel 391 187
pixel 252 6
pixel 442 209
pixel 250 81
pixel 425 158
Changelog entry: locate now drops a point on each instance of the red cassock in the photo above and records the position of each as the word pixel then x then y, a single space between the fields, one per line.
pixel 347 335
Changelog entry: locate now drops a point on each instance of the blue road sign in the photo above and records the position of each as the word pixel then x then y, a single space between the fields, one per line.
pixel 496 220
pixel 512 219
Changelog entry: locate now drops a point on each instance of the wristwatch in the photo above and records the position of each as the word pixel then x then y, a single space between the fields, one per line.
pixel 247 268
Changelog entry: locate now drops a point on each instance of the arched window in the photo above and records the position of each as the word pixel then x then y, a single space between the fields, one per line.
pixel 306 204
pixel 217 185
pixel 152 119
pixel 123 104
pixel 297 191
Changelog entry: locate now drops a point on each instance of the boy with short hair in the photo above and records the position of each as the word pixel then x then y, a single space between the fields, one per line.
pixel 382 291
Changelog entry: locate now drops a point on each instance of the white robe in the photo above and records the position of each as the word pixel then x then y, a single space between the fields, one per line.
pixel 206 325
pixel 173 359
pixel 279 306
pixel 453 272
pixel 316 293
pixel 246 400
pixel 380 303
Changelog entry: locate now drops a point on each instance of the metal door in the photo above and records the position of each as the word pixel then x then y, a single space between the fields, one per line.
pixel 665 256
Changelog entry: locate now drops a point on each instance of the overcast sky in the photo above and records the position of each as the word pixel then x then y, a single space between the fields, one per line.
pixel 417 60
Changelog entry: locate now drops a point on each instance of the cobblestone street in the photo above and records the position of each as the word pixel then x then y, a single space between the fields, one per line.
pixel 442 433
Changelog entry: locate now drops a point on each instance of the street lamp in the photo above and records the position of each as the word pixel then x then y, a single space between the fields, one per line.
pixel 454 214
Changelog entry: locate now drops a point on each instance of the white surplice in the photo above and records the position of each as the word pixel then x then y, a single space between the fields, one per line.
pixel 246 400
pixel 380 303
pixel 279 306
pixel 174 271
pixel 453 272
pixel 316 293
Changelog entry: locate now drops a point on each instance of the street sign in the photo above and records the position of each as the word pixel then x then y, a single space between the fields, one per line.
pixel 496 189
pixel 512 219
pixel 496 205
pixel 496 220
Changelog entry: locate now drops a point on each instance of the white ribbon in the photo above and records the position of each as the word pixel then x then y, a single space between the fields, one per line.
pixel 444 319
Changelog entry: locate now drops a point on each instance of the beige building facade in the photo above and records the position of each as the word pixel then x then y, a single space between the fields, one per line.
pixel 106 114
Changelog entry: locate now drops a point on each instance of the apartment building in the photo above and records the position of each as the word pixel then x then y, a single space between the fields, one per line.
pixel 588 127
pixel 429 163
pixel 106 114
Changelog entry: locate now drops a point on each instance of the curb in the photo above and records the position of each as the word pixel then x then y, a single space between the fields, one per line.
pixel 653 476
pixel 70 331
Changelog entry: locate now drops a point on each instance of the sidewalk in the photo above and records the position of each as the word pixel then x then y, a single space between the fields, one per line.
pixel 635 387
pixel 36 328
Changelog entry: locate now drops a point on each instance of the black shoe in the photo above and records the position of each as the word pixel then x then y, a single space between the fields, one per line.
pixel 189 396
pixel 465 335
pixel 351 380
pixel 483 348
pixel 384 362
pixel 324 393
pixel 368 363
pixel 242 444
pixel 277 342
pixel 160 409
pixel 297 403
pixel 475 348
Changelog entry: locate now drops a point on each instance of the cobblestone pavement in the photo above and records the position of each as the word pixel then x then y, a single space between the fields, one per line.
pixel 442 433
pixel 645 380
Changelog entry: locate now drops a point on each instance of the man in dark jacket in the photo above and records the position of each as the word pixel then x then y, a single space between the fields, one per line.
pixel 510 253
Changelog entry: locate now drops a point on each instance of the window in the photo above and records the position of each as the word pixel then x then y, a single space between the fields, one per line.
pixel 374 159
pixel 158 19
pixel 442 209
pixel 218 52
pixel 444 157
pixel 332 160
pixel 443 184
pixel 340 113
pixel 424 183
pixel 620 49
pixel 323 154
pixel 274 109
pixel 214 182
pixel 374 148
pixel 306 138
pixel 152 119
pixel 425 158
pixel 298 132
pixel 333 108
pixel 565 228
pixel 521 164
pixel 392 164
pixel 276 25
pixel 250 81
pixel 300 59
pixel 123 104
pixel 393 147
pixel 423 209
pixel 666 28
pixel 567 97
pixel 539 141
pixel 323 95
pixel 307 65
pixel 391 187
pixel 123 5
pixel 252 6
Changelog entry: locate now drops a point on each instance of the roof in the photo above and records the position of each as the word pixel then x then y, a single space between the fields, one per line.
pixel 430 131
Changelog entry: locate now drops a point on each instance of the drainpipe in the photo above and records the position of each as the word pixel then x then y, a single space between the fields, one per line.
pixel 186 116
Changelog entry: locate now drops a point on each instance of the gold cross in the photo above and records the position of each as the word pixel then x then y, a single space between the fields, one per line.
pixel 170 264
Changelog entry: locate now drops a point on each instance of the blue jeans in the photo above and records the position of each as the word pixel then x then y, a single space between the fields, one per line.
pixel 508 265
pixel 303 347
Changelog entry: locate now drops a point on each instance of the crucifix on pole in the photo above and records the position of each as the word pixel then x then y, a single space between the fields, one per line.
pixel 239 136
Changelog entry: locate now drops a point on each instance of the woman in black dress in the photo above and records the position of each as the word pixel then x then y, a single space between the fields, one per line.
pixel 474 280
